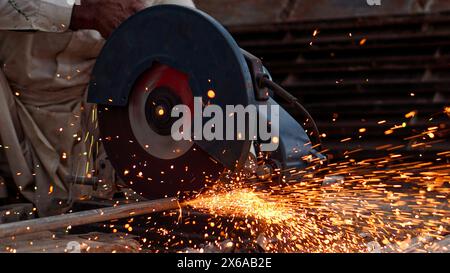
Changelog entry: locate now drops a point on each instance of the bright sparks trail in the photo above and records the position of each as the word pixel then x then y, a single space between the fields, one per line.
pixel 278 225
pixel 345 217
pixel 355 207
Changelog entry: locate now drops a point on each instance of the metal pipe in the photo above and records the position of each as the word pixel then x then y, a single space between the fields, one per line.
pixel 87 217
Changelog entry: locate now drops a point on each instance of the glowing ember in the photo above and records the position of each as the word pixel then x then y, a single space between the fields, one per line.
pixel 211 94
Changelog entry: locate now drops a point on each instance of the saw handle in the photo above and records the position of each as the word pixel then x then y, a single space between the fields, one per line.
pixel 265 82
pixel 264 85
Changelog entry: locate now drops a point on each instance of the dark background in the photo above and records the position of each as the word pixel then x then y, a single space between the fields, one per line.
pixel 366 64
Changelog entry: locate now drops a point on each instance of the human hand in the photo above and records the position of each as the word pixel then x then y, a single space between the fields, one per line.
pixel 103 15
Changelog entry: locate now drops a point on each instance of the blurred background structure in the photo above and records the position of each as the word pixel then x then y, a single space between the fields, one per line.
pixel 372 76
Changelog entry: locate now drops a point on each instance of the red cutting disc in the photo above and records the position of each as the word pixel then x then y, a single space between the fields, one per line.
pixel 151 162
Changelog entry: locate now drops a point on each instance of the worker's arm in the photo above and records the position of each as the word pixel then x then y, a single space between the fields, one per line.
pixel 43 15
pixel 58 15
pixel 107 15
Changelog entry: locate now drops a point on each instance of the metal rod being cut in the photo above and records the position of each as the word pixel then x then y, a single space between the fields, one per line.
pixel 87 217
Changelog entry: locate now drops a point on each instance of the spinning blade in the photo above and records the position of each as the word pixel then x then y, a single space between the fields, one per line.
pixel 148 159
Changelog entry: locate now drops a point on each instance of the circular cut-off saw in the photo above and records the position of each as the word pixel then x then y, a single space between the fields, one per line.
pixel 166 56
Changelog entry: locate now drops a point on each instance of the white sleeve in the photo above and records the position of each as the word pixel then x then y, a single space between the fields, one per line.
pixel 43 15
pixel 187 3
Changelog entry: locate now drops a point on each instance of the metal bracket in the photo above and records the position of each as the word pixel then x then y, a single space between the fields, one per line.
pixel 258 71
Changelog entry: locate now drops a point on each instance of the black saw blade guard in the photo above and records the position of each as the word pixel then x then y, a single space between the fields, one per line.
pixel 194 44
pixel 181 49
